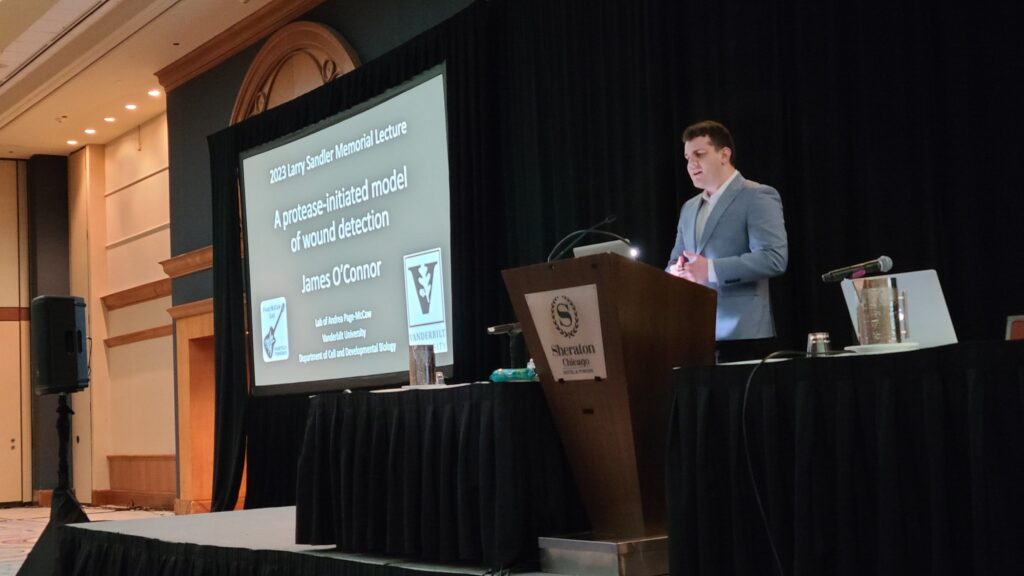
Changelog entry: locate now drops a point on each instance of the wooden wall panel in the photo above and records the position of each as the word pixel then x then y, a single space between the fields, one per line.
pixel 142 473
pixel 139 480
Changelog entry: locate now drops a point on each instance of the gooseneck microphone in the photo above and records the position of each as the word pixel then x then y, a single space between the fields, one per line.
pixel 573 238
pixel 880 264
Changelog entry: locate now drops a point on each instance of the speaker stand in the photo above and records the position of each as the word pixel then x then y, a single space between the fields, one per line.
pixel 64 508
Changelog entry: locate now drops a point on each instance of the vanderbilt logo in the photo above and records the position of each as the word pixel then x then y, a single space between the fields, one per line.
pixel 425 299
pixel 565 316
pixel 423 280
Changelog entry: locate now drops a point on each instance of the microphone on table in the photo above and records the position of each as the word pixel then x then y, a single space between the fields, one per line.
pixel 880 264
pixel 576 236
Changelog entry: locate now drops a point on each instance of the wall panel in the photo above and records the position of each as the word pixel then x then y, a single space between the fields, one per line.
pixel 138 207
pixel 139 316
pixel 142 397
pixel 137 262
pixel 10 413
pixel 85 179
pixel 15 410
pixel 10 245
pixel 137 154
pixel 136 237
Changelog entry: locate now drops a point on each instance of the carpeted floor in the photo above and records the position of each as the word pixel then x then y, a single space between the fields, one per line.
pixel 20 527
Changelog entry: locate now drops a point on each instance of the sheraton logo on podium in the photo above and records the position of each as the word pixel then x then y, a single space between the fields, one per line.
pixel 568 322
pixel 565 316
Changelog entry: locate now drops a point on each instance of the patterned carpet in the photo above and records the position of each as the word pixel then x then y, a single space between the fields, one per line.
pixel 20 527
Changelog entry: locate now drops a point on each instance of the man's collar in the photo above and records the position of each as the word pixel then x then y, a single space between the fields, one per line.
pixel 724 185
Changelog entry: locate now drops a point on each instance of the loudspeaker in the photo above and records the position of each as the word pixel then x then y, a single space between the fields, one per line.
pixel 60 359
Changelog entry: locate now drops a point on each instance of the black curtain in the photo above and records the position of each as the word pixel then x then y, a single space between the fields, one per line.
pixel 229 327
pixel 887 128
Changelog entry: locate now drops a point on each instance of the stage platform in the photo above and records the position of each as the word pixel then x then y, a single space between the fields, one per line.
pixel 242 542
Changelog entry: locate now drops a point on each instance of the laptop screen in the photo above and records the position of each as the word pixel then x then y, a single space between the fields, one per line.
pixel 615 247
pixel 928 318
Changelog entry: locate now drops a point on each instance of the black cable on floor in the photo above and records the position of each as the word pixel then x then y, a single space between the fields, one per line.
pixel 746 449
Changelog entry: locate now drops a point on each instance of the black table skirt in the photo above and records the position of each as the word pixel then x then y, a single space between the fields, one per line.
pixel 473 473
pixel 907 463
pixel 83 552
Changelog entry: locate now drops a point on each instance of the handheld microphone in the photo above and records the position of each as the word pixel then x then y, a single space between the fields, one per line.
pixel 880 264
pixel 576 236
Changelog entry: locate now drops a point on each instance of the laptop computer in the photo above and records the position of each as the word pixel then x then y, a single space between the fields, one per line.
pixel 615 247
pixel 928 318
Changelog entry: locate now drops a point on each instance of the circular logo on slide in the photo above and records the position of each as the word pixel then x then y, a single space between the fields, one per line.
pixel 565 316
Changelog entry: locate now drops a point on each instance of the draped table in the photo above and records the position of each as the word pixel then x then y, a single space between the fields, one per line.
pixel 909 463
pixel 464 473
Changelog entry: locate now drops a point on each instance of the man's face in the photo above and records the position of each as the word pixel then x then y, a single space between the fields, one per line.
pixel 708 168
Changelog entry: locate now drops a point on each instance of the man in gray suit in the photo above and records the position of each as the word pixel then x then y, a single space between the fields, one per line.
pixel 731 237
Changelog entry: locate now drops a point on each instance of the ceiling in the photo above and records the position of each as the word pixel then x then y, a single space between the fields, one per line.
pixel 65 65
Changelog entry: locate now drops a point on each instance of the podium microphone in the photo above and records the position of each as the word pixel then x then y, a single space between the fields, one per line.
pixel 575 237
pixel 880 264
pixel 515 341
pixel 512 328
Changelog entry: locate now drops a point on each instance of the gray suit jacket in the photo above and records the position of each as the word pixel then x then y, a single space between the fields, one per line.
pixel 745 236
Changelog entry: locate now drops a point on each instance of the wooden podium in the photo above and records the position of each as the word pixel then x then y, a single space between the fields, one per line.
pixel 614 427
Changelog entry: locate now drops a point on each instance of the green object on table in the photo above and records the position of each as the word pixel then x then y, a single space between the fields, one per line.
pixel 514 375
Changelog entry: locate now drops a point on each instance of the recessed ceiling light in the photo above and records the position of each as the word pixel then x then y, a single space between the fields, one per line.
pixel 130 106
pixel 90 130
pixel 109 119
pixel 154 93
pixel 72 142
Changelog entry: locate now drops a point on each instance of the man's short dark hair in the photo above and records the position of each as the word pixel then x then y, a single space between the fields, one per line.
pixel 717 133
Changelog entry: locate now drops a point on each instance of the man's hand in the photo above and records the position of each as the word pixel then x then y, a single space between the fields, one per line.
pixel 677 268
pixel 694 269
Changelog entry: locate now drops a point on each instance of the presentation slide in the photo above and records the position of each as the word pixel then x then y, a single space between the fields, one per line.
pixel 348 238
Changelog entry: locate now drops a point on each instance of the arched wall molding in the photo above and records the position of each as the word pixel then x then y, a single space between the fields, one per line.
pixel 296 59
